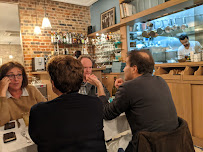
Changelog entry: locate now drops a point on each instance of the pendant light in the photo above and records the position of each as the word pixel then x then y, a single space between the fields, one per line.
pixel 45 23
pixel 10 56
pixel 37 29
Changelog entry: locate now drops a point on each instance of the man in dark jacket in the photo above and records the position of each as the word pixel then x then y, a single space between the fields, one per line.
pixel 145 99
pixel 71 122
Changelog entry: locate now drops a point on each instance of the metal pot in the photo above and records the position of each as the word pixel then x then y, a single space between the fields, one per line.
pixel 160 30
pixel 175 26
pixel 145 32
pixel 153 33
pixel 169 27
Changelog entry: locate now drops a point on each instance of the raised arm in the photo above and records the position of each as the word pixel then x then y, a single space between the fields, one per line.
pixel 4 109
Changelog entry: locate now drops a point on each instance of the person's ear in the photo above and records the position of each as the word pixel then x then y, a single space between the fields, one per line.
pixel 52 83
pixel 134 69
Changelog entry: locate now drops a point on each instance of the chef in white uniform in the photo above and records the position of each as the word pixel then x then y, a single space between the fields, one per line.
pixel 188 46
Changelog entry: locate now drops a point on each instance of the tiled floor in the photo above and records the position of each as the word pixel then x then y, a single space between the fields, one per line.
pixel 198 149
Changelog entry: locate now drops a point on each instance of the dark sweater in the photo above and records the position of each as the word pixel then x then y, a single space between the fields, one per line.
pixel 70 123
pixel 178 140
pixel 147 103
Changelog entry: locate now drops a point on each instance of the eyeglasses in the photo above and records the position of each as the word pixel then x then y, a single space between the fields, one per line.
pixel 12 76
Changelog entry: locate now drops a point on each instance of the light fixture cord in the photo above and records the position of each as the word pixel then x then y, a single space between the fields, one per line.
pixel 36 12
pixel 10 46
pixel 44 9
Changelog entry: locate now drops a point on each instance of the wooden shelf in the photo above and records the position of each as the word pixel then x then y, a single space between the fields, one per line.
pixel 160 10
pixel 164 8
pixel 113 28
pixel 190 71
pixel 39 72
pixel 170 77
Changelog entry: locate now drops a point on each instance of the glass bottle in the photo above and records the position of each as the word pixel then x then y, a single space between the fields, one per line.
pixel 70 38
pixel 67 38
pixel 52 37
pixel 82 39
pixel 78 39
pixel 64 38
pixel 61 37
pixel 56 38
pixel 107 36
pixel 114 89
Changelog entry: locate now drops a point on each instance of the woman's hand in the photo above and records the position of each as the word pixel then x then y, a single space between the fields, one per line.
pixel 4 83
pixel 118 82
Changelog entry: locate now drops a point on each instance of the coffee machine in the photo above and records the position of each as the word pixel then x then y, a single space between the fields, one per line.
pixel 38 64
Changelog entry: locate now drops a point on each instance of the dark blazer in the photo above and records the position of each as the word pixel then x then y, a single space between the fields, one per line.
pixel 147 103
pixel 69 123
pixel 178 140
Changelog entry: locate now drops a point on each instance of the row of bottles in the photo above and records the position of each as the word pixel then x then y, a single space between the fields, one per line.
pixel 108 37
pixel 69 38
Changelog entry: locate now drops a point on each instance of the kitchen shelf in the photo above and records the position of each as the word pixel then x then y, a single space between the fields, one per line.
pixel 66 44
pixel 164 8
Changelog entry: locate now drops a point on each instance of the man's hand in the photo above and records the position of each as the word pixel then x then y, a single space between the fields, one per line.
pixel 4 83
pixel 92 79
pixel 118 82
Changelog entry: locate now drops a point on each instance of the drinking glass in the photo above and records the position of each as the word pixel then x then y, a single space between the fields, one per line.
pixel 26 118
pixel 83 90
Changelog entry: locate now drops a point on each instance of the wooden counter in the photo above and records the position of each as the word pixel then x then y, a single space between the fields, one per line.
pixel 44 77
pixel 185 81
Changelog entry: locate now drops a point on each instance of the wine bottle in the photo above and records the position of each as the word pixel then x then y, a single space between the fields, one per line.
pixel 114 89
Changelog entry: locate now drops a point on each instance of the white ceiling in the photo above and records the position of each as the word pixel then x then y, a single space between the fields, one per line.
pixel 9 24
pixel 79 2
pixel 9 20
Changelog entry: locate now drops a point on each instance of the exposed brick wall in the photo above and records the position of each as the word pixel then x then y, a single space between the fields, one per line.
pixel 63 17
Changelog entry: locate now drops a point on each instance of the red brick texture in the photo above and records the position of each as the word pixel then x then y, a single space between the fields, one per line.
pixel 63 17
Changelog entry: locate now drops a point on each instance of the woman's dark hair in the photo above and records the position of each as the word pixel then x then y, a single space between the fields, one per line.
pixel 66 73
pixel 10 65
pixel 183 36
pixel 142 59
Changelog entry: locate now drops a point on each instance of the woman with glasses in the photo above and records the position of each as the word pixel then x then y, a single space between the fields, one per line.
pixel 16 96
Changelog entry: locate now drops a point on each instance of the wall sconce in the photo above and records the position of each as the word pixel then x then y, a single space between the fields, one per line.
pixel 37 29
pixel 45 23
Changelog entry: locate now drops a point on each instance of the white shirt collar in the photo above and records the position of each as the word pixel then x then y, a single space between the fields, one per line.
pixel 25 93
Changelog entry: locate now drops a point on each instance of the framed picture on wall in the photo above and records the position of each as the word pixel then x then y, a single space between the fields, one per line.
pixel 108 18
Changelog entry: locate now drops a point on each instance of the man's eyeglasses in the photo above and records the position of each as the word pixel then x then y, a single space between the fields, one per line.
pixel 12 76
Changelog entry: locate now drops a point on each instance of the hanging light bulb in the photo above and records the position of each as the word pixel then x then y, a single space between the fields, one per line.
pixel 45 23
pixel 37 29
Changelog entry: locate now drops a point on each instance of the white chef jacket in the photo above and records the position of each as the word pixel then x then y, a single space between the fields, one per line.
pixel 195 46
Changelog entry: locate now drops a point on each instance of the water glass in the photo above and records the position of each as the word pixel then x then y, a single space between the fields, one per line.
pixel 83 90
